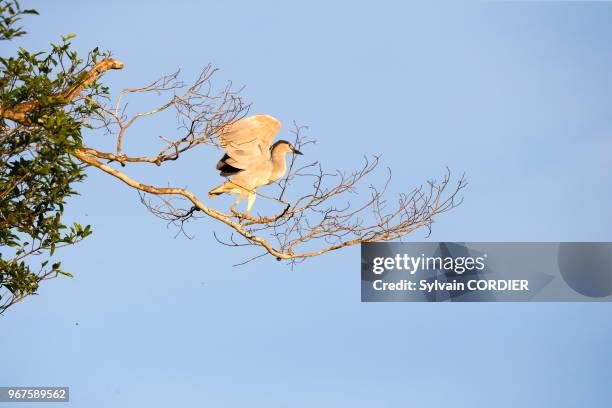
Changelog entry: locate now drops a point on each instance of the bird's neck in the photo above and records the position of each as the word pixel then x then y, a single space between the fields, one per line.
pixel 279 164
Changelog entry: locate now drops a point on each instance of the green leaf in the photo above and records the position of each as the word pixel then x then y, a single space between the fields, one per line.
pixel 68 37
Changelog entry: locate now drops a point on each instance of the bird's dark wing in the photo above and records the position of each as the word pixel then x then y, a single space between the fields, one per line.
pixel 226 169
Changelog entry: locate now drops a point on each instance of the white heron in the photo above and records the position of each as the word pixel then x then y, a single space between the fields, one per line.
pixel 251 160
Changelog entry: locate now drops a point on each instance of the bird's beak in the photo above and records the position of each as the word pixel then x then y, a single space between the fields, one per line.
pixel 296 151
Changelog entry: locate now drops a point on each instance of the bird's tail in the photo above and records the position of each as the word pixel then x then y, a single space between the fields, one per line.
pixel 217 191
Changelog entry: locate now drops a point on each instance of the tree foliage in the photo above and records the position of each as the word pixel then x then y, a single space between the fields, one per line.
pixel 10 14
pixel 40 127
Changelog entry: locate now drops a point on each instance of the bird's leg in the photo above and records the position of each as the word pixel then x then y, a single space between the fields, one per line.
pixel 236 212
pixel 238 200
pixel 250 201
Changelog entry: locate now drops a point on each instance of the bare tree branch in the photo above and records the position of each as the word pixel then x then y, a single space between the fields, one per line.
pixel 201 113
pixel 328 217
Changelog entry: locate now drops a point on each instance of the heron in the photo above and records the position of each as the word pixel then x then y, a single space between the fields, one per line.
pixel 251 160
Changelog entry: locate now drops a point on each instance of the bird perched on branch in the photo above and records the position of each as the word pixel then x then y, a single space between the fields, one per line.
pixel 251 160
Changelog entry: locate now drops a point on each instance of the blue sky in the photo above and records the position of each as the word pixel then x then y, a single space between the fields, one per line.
pixel 517 95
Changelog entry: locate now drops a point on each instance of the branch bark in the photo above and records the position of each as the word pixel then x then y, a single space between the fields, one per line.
pixel 19 113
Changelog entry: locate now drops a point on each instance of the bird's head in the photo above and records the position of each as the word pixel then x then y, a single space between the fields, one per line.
pixel 283 146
